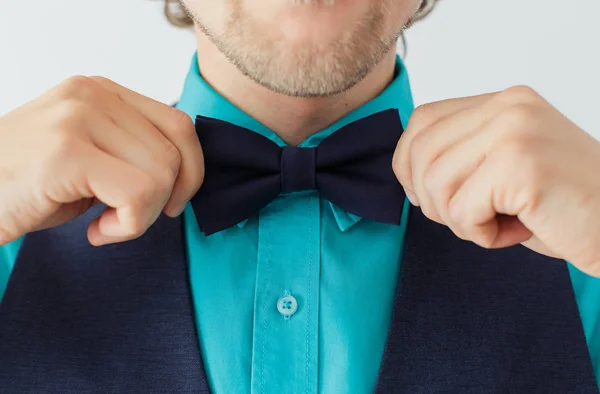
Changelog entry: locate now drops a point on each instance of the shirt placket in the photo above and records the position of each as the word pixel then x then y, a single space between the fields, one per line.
pixel 286 304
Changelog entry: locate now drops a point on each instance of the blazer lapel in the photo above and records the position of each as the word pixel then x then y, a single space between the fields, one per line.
pixel 118 318
pixel 467 319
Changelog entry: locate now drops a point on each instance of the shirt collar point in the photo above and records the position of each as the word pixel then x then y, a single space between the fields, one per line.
pixel 242 224
pixel 345 220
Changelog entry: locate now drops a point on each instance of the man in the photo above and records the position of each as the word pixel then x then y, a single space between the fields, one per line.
pixel 288 260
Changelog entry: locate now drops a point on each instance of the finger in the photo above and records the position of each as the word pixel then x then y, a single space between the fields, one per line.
pixel 435 141
pixel 179 129
pixel 473 209
pixel 450 170
pixel 428 114
pixel 442 163
pixel 446 175
pixel 133 122
pixel 418 184
pixel 125 189
pixel 454 116
pixel 113 140
pixel 423 117
pixel 455 165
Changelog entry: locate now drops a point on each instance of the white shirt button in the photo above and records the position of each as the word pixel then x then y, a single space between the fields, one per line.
pixel 287 305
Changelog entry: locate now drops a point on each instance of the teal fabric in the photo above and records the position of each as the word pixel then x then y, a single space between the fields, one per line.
pixel 8 255
pixel 303 246
pixel 587 293
pixel 309 248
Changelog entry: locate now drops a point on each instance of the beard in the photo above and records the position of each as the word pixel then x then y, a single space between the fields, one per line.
pixel 310 70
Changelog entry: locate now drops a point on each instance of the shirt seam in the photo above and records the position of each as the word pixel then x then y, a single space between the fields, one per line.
pixel 309 293
pixel 265 308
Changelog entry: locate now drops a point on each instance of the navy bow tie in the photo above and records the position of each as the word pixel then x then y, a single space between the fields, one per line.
pixel 352 168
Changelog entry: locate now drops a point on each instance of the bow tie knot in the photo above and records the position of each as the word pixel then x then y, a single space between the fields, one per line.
pixel 298 169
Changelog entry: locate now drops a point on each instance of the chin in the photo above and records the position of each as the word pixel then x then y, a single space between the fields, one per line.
pixel 308 50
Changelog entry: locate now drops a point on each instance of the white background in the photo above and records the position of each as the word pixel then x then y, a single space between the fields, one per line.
pixel 465 47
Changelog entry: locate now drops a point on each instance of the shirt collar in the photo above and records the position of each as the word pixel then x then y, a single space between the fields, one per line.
pixel 199 98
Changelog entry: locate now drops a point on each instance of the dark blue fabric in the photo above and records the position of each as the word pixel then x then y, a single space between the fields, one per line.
pixel 298 169
pixel 352 168
pixel 472 320
pixel 118 319
pixel 114 319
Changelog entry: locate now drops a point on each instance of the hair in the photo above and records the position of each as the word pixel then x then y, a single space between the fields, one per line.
pixel 177 15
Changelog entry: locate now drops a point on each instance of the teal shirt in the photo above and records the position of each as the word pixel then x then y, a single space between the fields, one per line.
pixel 337 271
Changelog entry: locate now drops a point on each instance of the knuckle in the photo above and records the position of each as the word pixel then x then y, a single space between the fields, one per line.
pixel 421 115
pixel 101 80
pixel 152 189
pixel 419 143
pixel 399 171
pixel 62 142
pixel 140 198
pixel 399 162
pixel 194 178
pixel 149 196
pixel 423 111
pixel 521 94
pixel 143 191
pixel 528 171
pixel 70 113
pixel 434 183
pixel 165 181
pixel 180 123
pixel 430 181
pixel 421 148
pixel 428 211
pixel 403 178
pixel 172 158
pixel 106 87
pixel 519 116
pixel 78 86
pixel 454 213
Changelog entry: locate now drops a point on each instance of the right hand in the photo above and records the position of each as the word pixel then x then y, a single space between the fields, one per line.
pixel 90 140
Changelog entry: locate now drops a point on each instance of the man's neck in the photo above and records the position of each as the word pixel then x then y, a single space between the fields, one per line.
pixel 294 119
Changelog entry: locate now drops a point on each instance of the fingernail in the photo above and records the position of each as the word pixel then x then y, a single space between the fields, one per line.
pixel 412 197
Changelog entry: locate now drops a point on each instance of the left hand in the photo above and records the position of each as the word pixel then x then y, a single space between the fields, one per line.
pixel 506 168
